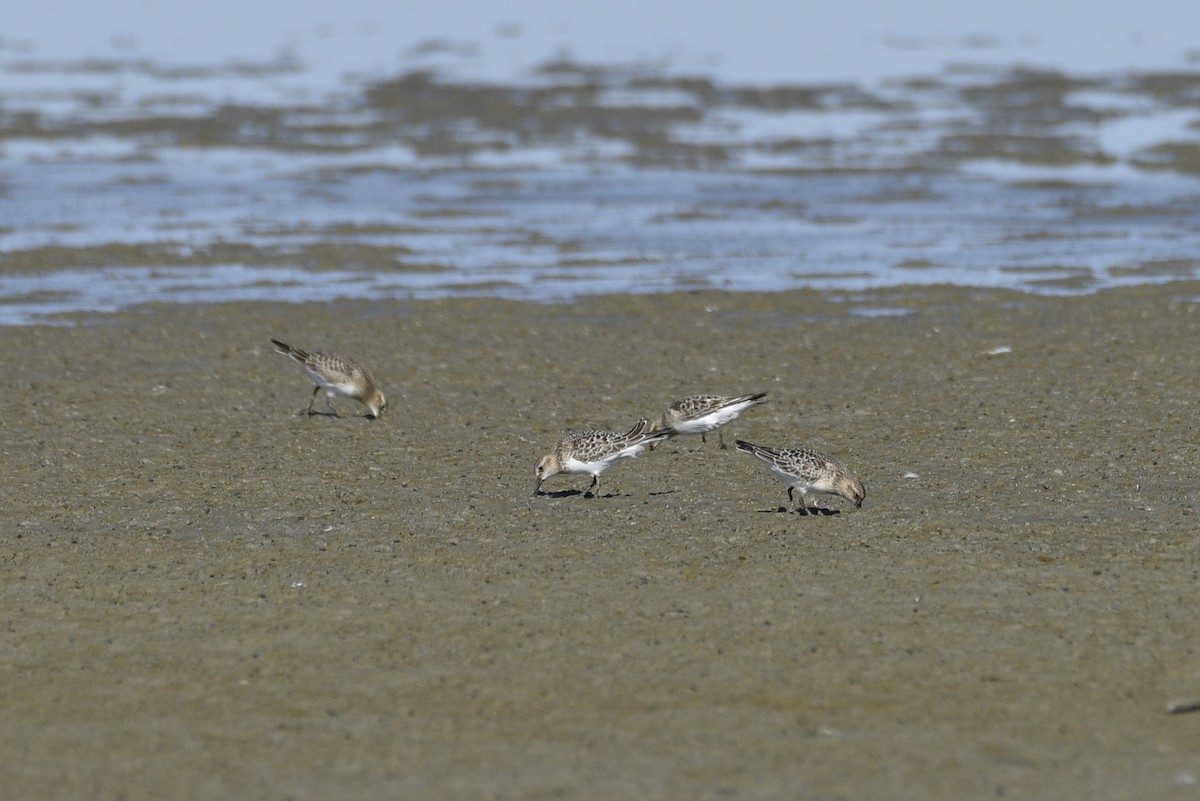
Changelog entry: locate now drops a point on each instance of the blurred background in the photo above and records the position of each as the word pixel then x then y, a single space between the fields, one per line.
pixel 535 150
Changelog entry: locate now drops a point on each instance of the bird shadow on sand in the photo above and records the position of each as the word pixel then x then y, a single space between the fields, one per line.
pixel 818 511
pixel 573 493
pixel 334 415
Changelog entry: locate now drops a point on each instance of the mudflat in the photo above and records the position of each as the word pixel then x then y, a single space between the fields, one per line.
pixel 206 595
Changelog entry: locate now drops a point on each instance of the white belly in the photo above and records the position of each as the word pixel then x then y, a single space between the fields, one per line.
pixel 597 466
pixel 712 420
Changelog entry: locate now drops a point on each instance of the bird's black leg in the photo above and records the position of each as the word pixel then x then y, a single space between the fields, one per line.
pixel 593 486
pixel 311 400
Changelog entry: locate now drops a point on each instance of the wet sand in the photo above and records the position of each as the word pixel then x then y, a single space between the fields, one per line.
pixel 208 596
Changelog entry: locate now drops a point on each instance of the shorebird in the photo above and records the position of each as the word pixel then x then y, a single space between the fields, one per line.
pixel 593 452
pixel 807 471
pixel 700 414
pixel 339 376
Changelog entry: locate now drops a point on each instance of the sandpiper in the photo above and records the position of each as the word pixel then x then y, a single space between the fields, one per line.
pixel 807 471
pixel 699 414
pixel 592 452
pixel 338 376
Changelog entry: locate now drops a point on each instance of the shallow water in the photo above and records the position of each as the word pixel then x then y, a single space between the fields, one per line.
pixel 131 176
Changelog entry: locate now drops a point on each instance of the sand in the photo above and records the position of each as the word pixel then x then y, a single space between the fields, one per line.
pixel 206 595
